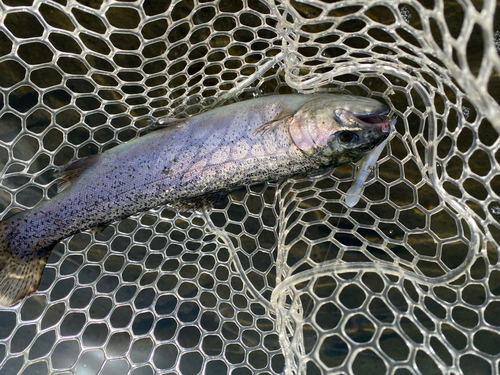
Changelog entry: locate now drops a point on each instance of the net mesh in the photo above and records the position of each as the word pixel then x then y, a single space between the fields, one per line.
pixel 284 276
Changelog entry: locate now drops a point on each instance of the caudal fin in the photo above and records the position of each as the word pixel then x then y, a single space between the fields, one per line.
pixel 19 275
pixel 18 278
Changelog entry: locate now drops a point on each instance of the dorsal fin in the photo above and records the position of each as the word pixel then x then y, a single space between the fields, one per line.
pixel 74 170
pixel 166 122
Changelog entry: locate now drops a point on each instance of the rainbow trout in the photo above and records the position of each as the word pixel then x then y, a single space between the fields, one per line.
pixel 189 163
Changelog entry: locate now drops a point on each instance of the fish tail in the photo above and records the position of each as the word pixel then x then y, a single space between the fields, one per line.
pixel 20 275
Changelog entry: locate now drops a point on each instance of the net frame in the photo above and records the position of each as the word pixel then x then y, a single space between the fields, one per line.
pixel 280 255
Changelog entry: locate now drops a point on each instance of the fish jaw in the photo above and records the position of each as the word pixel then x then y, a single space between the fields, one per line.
pixel 370 130
pixel 338 129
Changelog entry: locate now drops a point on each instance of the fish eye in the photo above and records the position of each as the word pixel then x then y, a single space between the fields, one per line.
pixel 347 136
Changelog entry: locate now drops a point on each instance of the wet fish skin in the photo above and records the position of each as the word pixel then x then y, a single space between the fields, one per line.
pixel 248 142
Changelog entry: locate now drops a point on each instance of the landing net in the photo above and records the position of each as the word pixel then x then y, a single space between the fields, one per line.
pixel 284 277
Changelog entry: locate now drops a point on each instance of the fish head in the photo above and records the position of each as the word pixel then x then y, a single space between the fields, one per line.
pixel 338 129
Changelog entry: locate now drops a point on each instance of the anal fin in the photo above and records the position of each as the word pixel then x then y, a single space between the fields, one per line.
pixel 99 228
pixel 200 203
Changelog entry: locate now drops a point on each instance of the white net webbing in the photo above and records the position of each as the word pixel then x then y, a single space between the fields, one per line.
pixel 284 277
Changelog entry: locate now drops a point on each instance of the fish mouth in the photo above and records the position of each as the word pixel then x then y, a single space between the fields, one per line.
pixel 366 120
pixel 384 122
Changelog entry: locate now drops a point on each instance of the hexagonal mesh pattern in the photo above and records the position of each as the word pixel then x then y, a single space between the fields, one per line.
pixel 285 277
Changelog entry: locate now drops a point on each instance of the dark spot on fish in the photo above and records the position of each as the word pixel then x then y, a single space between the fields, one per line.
pixel 166 171
pixel 175 159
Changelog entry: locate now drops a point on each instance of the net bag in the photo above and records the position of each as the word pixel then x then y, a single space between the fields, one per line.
pixel 283 277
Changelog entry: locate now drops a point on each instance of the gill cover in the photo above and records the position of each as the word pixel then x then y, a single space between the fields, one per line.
pixel 333 125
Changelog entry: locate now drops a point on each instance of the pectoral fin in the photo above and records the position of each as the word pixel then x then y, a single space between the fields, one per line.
pixel 276 121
